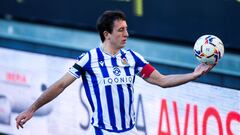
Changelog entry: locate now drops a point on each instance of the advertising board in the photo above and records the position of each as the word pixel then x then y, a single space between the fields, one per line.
pixel 190 109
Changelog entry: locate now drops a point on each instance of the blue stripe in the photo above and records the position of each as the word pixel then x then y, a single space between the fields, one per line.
pixel 103 65
pixel 110 107
pixel 121 104
pixel 126 68
pixel 121 97
pixel 108 90
pixel 134 79
pixel 114 61
pixel 120 131
pixel 139 62
pixel 130 103
pixel 87 90
pixel 97 94
pixel 127 71
pixel 88 93
pixel 98 131
pixel 85 84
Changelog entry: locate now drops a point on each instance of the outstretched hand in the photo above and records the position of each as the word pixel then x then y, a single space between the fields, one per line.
pixel 202 69
pixel 22 118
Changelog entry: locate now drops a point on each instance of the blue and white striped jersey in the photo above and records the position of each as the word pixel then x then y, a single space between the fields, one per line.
pixel 108 82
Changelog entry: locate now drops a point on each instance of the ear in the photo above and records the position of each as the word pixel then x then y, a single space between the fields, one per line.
pixel 106 34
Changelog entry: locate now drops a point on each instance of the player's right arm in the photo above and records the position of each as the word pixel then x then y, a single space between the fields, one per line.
pixel 52 92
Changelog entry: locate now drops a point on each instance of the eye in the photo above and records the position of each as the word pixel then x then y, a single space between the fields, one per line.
pixel 122 29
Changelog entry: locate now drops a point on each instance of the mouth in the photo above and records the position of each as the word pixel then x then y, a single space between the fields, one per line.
pixel 124 41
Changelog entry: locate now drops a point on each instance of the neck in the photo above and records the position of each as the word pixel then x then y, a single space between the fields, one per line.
pixel 108 48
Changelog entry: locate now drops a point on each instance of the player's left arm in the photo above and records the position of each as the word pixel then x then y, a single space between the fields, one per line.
pixel 154 77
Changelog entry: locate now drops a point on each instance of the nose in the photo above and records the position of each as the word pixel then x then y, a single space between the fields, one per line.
pixel 125 34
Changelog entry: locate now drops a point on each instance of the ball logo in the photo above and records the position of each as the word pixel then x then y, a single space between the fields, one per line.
pixel 207 49
pixel 116 71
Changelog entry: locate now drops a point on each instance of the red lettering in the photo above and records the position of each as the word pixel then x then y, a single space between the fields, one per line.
pixel 212 112
pixel 195 111
pixel 15 77
pixel 9 76
pixel 230 117
pixel 186 119
pixel 164 110
pixel 177 119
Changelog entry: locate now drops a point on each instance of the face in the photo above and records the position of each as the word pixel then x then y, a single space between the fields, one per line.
pixel 119 35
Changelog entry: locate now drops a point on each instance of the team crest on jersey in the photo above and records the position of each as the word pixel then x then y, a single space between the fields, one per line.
pixel 124 61
pixel 116 71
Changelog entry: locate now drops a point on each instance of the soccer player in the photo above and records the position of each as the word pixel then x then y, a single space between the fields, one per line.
pixel 108 74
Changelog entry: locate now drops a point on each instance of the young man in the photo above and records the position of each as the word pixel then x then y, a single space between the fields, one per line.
pixel 108 74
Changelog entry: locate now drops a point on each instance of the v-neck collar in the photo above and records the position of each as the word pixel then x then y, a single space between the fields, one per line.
pixel 101 48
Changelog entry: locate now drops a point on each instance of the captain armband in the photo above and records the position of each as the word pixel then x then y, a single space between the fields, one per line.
pixel 146 71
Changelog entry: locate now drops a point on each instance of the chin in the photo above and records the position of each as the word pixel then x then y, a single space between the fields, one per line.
pixel 122 46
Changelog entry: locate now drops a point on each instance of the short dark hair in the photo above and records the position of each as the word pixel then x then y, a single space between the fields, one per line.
pixel 106 20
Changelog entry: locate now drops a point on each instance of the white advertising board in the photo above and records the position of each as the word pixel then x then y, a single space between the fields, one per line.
pixel 189 109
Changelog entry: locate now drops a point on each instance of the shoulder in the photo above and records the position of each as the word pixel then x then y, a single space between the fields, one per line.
pixel 133 53
pixel 130 51
pixel 87 55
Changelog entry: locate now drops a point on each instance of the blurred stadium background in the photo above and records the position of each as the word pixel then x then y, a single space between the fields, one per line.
pixel 162 31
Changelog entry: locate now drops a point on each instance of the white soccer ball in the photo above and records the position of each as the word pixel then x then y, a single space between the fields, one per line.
pixel 208 49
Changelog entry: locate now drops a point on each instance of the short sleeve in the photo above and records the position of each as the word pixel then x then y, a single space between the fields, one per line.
pixel 77 69
pixel 140 62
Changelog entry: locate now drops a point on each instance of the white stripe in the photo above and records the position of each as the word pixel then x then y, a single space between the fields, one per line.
pixel 83 60
pixel 126 106
pixel 116 106
pixel 94 98
pixel 114 95
pixel 95 117
pixel 72 72
pixel 102 93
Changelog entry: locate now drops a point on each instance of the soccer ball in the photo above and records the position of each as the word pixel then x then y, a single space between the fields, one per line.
pixel 208 49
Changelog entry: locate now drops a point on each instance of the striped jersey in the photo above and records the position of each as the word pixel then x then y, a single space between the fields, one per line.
pixel 108 83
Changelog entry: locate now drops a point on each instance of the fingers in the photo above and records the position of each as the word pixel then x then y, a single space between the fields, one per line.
pixel 20 121
pixel 20 125
pixel 209 67
pixel 202 69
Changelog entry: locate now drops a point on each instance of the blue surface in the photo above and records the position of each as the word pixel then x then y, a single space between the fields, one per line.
pixel 50 40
